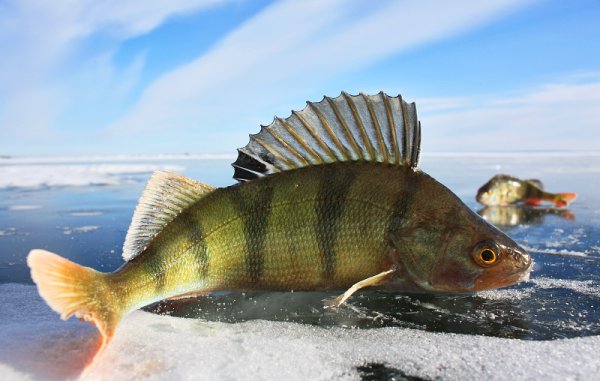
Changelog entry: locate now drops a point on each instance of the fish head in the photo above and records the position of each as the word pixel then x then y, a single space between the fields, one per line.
pixel 478 256
pixel 446 247
pixel 500 190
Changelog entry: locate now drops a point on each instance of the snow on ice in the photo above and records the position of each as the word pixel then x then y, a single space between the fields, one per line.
pixel 36 345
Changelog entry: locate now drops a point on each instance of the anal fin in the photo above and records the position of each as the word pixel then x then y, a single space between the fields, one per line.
pixel 368 282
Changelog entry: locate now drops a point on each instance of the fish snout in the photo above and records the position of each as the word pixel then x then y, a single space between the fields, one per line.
pixel 521 260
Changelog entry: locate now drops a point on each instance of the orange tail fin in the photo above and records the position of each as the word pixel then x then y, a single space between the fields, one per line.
pixel 564 199
pixel 71 289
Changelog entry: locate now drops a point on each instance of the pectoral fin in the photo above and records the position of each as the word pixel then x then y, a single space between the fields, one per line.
pixel 372 281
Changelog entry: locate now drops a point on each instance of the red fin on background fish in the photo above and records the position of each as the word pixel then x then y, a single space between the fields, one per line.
pixel 532 201
pixel 564 199
pixel 71 289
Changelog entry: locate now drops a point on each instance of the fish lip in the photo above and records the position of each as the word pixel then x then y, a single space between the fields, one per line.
pixel 500 280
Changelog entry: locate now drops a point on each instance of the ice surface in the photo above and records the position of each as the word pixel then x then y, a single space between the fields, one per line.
pixel 89 213
pixel 23 207
pixel 515 333
pixel 40 175
pixel 554 251
pixel 581 286
pixel 37 345
pixel 86 159
pixel 7 232
pixel 80 229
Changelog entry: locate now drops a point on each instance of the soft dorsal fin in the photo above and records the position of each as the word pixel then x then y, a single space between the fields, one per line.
pixel 165 196
pixel 376 128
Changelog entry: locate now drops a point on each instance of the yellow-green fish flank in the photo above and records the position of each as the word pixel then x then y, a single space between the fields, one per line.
pixel 315 228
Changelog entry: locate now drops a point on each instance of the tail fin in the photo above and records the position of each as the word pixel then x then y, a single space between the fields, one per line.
pixel 563 199
pixel 71 289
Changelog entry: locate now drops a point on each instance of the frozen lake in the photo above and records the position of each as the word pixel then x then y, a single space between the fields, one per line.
pixel 545 328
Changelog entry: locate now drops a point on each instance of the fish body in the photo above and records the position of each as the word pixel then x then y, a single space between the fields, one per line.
pixel 326 201
pixel 502 190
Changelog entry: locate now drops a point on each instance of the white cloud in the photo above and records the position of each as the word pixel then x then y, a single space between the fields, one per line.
pixel 131 18
pixel 292 47
pixel 37 39
pixel 553 117
pixel 38 34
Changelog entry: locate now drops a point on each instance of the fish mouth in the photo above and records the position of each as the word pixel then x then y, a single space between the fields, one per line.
pixel 499 279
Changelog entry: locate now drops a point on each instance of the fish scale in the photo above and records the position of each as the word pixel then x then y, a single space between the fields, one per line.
pixel 296 247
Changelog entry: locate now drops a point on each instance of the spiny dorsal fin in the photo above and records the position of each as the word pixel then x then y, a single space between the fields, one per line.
pixel 165 196
pixel 376 128
pixel 536 182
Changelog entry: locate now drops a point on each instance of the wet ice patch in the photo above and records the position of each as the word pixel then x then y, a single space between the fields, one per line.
pixel 525 312
pixel 7 232
pixel 551 251
pixel 559 238
pixel 80 229
pixel 23 207
pixel 84 213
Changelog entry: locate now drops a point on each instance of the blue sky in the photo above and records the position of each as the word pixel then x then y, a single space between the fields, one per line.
pixel 198 76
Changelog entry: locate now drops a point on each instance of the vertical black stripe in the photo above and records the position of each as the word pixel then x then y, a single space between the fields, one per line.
pixel 252 202
pixel 409 181
pixel 196 238
pixel 335 184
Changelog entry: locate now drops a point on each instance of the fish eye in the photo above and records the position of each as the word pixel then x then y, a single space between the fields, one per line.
pixel 486 253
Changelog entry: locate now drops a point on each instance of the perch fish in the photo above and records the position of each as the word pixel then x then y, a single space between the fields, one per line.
pixel 330 198
pixel 502 190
